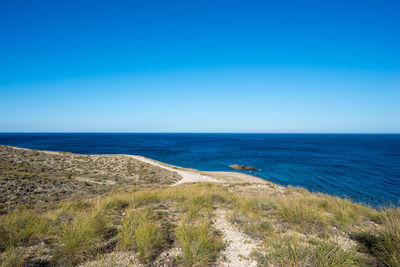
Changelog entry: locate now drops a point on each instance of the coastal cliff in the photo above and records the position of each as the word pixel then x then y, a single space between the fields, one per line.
pixel 65 209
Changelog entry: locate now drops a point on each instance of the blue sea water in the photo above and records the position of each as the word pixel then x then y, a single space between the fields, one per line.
pixel 363 167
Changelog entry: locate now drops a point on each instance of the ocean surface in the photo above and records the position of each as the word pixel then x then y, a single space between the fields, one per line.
pixel 362 167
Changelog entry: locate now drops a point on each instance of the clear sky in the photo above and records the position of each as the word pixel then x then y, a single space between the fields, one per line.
pixel 200 66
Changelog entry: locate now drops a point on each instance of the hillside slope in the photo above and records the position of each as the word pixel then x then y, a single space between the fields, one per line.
pixel 33 176
pixel 65 209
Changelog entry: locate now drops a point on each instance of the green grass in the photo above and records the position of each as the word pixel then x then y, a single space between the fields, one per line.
pixel 346 213
pixel 12 257
pixel 388 246
pixel 71 207
pixel 301 212
pixel 115 204
pixel 142 231
pixel 200 243
pixel 21 228
pixel 143 222
pixel 314 212
pixel 252 215
pixel 257 227
pixel 79 239
pixel 329 254
pixel 286 251
pixel 127 230
pixel 198 206
pixel 256 204
pixel 149 238
pixel 289 250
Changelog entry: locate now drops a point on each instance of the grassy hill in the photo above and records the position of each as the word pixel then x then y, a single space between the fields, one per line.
pixel 65 209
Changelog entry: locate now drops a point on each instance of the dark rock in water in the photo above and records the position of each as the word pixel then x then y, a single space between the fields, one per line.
pixel 235 167
pixel 242 167
pixel 250 168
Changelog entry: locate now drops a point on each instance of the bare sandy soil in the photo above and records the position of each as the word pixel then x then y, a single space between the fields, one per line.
pixel 238 245
pixel 195 176
pixel 188 176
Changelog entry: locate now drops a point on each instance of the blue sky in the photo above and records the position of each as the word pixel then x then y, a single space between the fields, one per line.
pixel 200 66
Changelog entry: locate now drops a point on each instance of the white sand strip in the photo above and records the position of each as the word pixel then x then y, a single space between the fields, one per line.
pixel 188 176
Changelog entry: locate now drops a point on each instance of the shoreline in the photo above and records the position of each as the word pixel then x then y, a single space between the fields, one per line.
pixel 202 176
pixel 238 214
pixel 191 175
pixel 196 175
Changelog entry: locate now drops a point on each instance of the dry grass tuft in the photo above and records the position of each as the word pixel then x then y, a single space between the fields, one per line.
pixel 388 246
pixel 200 243
pixel 12 257
pixel 289 250
pixel 141 230
pixel 301 212
pixel 78 240
pixel 329 254
pixel 21 228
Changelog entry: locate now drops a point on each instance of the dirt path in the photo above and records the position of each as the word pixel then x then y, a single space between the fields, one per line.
pixel 238 245
pixel 187 175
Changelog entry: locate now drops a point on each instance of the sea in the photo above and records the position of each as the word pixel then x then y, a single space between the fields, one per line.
pixel 362 167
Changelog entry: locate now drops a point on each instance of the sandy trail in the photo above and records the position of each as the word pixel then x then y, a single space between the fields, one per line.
pixel 187 175
pixel 238 245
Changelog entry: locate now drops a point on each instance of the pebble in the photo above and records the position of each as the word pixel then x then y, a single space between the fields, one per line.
pixel 254 263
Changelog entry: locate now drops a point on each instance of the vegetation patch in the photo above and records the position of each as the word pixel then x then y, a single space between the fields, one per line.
pixel 127 213
pixel 388 240
pixel 79 239
pixel 200 243
pixel 21 228
pixel 141 230
pixel 290 250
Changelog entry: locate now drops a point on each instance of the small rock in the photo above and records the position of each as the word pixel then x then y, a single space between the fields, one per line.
pixel 242 167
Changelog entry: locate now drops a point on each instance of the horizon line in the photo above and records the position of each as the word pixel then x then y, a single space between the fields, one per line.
pixel 156 132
